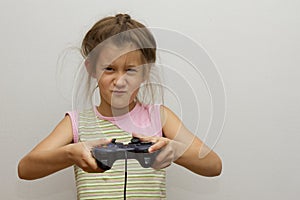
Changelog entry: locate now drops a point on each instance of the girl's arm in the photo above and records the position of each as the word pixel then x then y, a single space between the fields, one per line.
pixel 187 149
pixel 197 157
pixel 57 152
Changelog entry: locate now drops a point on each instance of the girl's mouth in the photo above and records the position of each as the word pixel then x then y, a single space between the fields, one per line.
pixel 119 92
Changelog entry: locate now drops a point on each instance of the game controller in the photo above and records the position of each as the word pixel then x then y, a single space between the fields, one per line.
pixel 107 155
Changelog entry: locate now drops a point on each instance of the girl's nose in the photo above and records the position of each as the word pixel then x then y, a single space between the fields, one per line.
pixel 120 81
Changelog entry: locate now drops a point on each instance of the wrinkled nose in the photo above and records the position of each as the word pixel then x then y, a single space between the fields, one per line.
pixel 120 81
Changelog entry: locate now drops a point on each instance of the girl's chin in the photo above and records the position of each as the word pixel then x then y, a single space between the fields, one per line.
pixel 119 107
pixel 122 105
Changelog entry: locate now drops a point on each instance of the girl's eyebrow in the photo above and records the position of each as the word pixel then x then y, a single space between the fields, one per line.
pixel 107 65
pixel 131 65
pixel 112 65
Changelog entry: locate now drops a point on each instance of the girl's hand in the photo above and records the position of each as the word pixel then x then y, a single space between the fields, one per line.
pixel 81 154
pixel 171 150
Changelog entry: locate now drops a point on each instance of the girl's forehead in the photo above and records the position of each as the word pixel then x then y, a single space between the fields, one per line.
pixel 110 54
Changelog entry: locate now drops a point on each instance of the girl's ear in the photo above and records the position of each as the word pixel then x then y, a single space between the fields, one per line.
pixel 89 68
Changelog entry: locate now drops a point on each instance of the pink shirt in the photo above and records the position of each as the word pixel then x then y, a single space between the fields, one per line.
pixel 142 119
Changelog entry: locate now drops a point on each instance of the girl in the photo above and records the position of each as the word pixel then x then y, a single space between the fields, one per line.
pixel 119 55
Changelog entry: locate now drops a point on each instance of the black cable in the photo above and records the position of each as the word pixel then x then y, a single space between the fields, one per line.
pixel 125 181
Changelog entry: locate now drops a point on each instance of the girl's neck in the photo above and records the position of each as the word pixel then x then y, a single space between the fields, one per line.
pixel 109 111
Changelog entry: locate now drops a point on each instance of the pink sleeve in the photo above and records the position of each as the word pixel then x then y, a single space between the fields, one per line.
pixel 157 119
pixel 74 119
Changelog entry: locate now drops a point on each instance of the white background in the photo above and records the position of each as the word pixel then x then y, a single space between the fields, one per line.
pixel 255 45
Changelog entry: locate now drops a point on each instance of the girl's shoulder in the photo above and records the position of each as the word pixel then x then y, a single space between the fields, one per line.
pixel 75 118
pixel 162 112
pixel 171 123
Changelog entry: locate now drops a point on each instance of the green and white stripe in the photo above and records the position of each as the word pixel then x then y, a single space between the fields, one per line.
pixel 142 183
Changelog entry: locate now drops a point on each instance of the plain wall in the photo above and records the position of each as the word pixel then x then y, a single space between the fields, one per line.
pixel 255 45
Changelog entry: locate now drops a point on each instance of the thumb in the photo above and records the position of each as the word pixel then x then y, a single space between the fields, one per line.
pixel 143 138
pixel 98 142
pixel 137 135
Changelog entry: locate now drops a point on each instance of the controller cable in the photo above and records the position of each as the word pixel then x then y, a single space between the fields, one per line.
pixel 125 181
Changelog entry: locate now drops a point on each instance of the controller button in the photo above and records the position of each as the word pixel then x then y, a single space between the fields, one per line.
pixel 135 140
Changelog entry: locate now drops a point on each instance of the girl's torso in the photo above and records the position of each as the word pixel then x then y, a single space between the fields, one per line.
pixel 142 183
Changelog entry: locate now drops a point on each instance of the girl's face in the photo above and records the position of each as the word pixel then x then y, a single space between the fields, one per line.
pixel 120 72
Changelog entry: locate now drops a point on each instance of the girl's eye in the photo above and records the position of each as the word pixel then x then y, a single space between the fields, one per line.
pixel 131 70
pixel 108 69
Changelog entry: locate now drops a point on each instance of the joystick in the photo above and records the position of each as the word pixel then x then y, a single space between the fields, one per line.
pixel 107 155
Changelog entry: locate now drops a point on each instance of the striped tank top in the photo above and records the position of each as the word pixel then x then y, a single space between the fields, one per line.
pixel 142 183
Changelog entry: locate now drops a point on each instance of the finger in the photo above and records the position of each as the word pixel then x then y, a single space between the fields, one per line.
pixel 99 142
pixel 160 164
pixel 158 145
pixel 93 170
pixel 145 138
pixel 138 135
pixel 92 165
pixel 95 167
